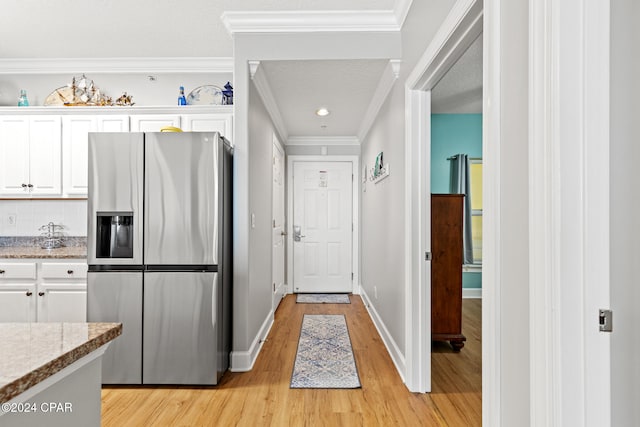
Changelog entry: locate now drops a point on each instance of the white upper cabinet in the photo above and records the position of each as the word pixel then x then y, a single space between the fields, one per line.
pixel 153 122
pixel 44 152
pixel 30 156
pixel 75 130
pixel 219 122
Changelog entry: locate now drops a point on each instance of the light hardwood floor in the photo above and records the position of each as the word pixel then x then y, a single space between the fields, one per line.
pixel 262 397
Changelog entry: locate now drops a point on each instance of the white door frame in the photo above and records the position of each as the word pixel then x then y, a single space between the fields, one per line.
pixel 355 193
pixel 277 145
pixel 569 212
pixel 461 27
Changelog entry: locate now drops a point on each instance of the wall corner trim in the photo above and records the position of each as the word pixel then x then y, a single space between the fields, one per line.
pixel 394 351
pixel 387 80
pixel 259 78
pixel 243 361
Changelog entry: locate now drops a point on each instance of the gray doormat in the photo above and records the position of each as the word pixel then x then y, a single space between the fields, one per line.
pixel 323 299
pixel 325 357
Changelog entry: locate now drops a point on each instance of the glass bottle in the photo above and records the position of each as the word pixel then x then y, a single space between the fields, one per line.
pixel 23 101
pixel 181 99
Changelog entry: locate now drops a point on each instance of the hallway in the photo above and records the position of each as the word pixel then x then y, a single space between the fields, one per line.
pixel 262 397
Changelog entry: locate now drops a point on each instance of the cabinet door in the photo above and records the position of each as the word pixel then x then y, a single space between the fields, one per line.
pixel 14 155
pixel 62 302
pixel 45 173
pixel 113 123
pixel 17 302
pixel 215 122
pixel 75 131
pixel 153 122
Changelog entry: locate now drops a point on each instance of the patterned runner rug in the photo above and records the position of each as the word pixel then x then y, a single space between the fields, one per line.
pixel 325 358
pixel 323 299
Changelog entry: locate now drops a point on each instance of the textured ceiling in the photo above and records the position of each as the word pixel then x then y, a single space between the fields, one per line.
pixel 344 87
pixel 149 28
pixel 460 90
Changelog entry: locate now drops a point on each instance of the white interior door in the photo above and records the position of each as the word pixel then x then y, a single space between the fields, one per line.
pixel 278 236
pixel 322 226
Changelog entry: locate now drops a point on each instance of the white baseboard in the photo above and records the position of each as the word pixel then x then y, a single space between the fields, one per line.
pixel 394 351
pixel 243 361
pixel 472 293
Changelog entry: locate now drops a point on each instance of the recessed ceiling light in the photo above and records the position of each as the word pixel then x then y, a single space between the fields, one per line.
pixel 322 112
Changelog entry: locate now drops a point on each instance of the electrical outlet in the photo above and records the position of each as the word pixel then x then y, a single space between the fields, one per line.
pixel 375 292
pixel 253 220
pixel 11 219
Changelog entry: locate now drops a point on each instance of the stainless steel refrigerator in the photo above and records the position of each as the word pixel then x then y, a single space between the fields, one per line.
pixel 159 254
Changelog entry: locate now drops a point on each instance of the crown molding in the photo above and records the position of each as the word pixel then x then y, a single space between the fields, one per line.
pixel 116 65
pixel 323 140
pixel 310 21
pixel 388 78
pixel 264 90
pixel 401 10
pixel 464 24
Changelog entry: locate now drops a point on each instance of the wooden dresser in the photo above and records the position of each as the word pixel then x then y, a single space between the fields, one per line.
pixel 446 269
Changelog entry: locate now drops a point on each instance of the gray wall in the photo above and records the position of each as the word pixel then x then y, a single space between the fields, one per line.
pixel 513 214
pixel 261 132
pixel 383 203
pixel 625 205
pixel 249 301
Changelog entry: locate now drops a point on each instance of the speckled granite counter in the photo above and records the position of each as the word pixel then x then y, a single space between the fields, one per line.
pixel 32 352
pixel 29 247
pixel 23 252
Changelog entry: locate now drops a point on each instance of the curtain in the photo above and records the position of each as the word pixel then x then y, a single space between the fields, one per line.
pixel 459 184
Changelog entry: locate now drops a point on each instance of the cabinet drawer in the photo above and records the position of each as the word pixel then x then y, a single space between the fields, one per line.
pixel 23 270
pixel 65 270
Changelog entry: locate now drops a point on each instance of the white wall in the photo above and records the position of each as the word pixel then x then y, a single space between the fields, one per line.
pixel 625 205
pixel 162 91
pixel 383 203
pixel 30 215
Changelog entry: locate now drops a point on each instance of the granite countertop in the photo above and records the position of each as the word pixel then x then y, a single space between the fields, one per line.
pixel 29 247
pixel 37 252
pixel 32 352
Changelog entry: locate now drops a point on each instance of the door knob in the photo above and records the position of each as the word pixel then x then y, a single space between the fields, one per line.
pixel 283 233
pixel 297 233
pixel 29 293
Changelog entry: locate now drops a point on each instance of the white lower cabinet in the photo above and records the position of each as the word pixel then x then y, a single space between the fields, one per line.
pixel 17 302
pixel 56 291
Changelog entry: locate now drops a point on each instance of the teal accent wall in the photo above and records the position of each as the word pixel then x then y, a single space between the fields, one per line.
pixel 452 134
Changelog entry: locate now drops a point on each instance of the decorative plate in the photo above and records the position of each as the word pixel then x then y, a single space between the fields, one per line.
pixel 205 95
